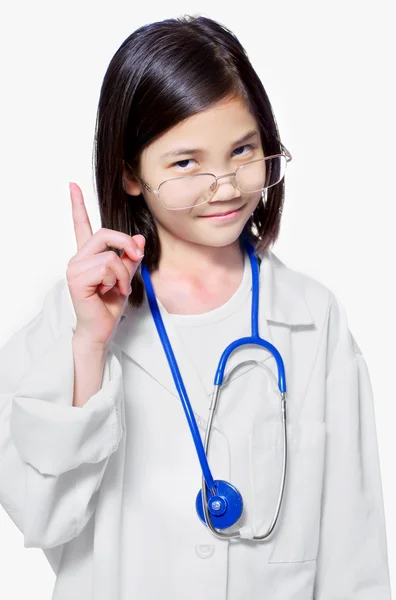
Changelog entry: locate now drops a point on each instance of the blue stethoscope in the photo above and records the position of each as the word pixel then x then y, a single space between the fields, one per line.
pixel 224 506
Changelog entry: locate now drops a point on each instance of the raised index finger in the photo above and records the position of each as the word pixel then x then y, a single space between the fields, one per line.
pixel 81 222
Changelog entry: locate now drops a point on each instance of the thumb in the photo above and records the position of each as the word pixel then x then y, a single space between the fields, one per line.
pixel 140 240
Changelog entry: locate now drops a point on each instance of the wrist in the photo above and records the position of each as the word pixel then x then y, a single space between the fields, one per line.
pixel 84 341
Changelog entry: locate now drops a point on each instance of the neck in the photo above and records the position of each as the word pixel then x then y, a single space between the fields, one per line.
pixel 179 256
pixel 192 278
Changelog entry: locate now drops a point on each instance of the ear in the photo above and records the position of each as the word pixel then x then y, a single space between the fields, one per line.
pixel 131 185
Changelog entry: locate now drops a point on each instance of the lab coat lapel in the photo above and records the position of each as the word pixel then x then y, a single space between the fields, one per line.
pixel 282 306
pixel 281 302
pixel 137 336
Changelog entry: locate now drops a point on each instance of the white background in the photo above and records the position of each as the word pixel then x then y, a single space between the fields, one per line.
pixel 328 69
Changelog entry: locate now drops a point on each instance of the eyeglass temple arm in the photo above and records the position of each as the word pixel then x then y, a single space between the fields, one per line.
pixel 144 184
pixel 288 155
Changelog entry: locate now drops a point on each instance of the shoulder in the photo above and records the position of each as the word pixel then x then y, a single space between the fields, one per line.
pixel 38 335
pixel 322 302
pixel 58 309
pixel 326 307
pixel 295 295
pixel 317 294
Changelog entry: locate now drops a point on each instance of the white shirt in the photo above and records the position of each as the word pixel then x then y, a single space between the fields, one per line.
pixel 108 490
pixel 207 334
pixel 204 337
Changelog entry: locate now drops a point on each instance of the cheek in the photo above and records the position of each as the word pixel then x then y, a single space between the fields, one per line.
pixel 172 220
pixel 252 203
pixel 158 212
pixel 255 201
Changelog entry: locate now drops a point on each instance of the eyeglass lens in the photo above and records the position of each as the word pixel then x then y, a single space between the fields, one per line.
pixel 193 190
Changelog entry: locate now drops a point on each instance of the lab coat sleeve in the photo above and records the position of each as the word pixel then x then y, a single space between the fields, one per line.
pixel 352 561
pixel 53 455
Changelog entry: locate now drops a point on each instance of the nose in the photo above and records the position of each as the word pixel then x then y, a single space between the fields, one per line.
pixel 226 190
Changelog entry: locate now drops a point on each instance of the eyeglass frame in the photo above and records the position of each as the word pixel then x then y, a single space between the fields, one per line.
pixel 286 154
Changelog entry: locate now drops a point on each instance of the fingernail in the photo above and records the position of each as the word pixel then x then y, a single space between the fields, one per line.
pixel 139 252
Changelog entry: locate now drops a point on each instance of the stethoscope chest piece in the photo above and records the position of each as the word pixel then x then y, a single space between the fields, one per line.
pixel 225 507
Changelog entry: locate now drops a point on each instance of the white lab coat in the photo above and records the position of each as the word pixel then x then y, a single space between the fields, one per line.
pixel 85 484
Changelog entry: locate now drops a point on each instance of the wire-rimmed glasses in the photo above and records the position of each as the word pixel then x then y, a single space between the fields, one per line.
pixel 188 191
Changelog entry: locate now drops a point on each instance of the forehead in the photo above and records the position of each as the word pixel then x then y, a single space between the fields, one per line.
pixel 214 128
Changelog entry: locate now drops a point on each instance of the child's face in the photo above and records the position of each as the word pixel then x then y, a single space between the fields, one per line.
pixel 215 132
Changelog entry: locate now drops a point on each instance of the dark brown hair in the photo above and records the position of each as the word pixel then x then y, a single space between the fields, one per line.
pixel 161 74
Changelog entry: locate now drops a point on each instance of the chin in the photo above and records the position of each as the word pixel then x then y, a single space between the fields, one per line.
pixel 220 239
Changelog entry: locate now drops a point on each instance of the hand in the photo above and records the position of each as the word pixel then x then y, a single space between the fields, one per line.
pixel 99 279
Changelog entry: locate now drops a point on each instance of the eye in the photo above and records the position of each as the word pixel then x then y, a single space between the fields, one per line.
pixel 177 164
pixel 245 146
pixel 187 160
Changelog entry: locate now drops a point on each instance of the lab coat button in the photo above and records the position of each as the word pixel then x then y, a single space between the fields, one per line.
pixel 205 550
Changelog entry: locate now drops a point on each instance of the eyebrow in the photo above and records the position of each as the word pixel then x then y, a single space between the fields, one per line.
pixel 178 151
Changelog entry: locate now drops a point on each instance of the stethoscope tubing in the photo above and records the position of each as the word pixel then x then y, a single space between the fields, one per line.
pixel 177 379
pixel 202 449
pixel 247 533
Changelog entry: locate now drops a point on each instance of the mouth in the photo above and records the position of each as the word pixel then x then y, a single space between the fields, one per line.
pixel 228 213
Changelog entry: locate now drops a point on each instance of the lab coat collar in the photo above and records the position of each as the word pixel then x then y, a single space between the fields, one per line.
pixel 281 302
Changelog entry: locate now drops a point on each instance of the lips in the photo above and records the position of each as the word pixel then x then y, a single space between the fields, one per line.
pixel 224 213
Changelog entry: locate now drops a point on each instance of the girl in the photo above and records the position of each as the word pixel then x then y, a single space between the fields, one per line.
pixel 98 463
